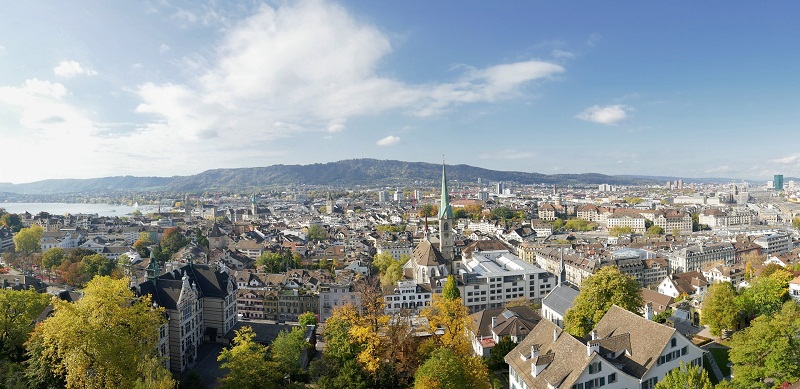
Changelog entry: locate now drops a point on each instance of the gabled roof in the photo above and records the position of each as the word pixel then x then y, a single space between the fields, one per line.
pixel 481 324
pixel 560 299
pixel 646 339
pixel 425 254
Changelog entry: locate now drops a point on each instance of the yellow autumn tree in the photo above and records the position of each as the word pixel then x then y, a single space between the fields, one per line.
pixel 107 339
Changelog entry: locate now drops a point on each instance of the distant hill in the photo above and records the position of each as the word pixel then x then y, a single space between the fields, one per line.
pixel 352 172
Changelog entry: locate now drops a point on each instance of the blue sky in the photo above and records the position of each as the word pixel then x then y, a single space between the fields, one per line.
pixel 161 88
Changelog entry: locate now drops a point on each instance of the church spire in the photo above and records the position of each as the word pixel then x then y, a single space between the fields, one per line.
pixel 445 211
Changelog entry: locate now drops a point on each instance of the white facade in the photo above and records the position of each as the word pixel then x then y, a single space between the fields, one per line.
pixel 493 278
pixel 694 258
pixel 407 296
pixel 774 243
pixel 635 223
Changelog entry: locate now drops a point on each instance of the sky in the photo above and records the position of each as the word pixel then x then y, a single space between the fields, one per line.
pixel 162 88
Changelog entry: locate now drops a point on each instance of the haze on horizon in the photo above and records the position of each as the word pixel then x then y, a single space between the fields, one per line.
pixel 161 88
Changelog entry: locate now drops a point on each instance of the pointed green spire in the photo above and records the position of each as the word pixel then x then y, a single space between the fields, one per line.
pixel 445 211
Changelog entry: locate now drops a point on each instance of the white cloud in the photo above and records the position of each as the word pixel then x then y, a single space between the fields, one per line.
pixel 608 115
pixel 388 141
pixel 508 154
pixel 314 65
pixel 70 69
pixel 789 160
pixel 558 53
pixel 163 48
pixel 718 169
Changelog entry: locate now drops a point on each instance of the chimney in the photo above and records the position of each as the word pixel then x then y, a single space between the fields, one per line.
pixel 494 321
pixel 648 311
pixel 555 334
pixel 594 335
pixel 592 348
pixel 534 351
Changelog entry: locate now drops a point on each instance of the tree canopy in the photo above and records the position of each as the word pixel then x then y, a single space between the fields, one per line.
pixel 247 364
pixel 767 349
pixel 108 338
pixel 720 310
pixel 620 230
pixel 28 239
pixel 450 290
pixel 609 286
pixel 686 377
pixel 18 310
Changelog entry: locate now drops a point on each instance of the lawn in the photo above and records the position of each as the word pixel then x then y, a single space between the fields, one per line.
pixel 721 357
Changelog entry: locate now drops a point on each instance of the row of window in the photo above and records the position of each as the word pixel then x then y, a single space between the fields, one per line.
pixel 671 355
pixel 596 382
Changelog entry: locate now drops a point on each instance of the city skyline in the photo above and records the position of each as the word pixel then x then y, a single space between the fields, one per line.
pixel 175 88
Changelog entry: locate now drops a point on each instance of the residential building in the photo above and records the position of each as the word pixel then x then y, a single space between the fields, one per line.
pixel 688 284
pixel 674 220
pixel 557 302
pixel 408 296
pixel 490 326
pixel 693 258
pixel 491 279
pixel 794 289
pixel 636 223
pixel 334 295
pixel 774 243
pixel 721 273
pixel 200 303
pixel 625 351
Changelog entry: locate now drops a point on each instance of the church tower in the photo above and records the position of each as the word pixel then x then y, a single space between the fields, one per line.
pixel 445 222
pixel 329 204
pixel 254 206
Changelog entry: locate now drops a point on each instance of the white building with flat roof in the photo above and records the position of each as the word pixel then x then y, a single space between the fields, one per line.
pixel 490 279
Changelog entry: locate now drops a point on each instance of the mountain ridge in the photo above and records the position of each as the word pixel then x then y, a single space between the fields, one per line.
pixel 350 172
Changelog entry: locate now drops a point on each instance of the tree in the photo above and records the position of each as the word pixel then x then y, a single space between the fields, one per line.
pixel 316 232
pixel 767 349
pixel 655 230
pixel 172 241
pixel 558 224
pixel 108 338
pixel 443 370
pixel 246 363
pixel 450 290
pixel 501 213
pixel 287 349
pixel 12 221
pixel 609 286
pixel 308 318
pixel 27 240
pixel 496 358
pixel 579 225
pixel 766 293
pixel 52 257
pixel 686 377
pixel 796 222
pixel 382 261
pixel 428 210
pixel 720 310
pixel 18 310
pixel 620 230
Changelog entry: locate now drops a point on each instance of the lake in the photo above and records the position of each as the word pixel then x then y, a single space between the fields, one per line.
pixel 71 208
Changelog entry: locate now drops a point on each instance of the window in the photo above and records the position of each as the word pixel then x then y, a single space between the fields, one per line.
pixel 612 378
pixel 683 351
pixel 673 342
pixel 595 367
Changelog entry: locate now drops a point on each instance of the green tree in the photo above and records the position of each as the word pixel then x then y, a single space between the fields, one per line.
pixel 579 225
pixel 316 232
pixel 796 222
pixel 720 310
pixel 286 350
pixel 558 224
pixel 501 212
pixel 686 377
pixel 18 310
pixel 633 200
pixel 52 257
pixel 620 230
pixel 97 265
pixel 308 318
pixel 12 221
pixel 766 293
pixel 28 240
pixel 655 230
pixel 246 363
pixel 767 349
pixel 108 338
pixel 172 241
pixel 607 287
pixel 382 261
pixel 450 290
pixel 428 210
pixel 442 370
pixel 496 358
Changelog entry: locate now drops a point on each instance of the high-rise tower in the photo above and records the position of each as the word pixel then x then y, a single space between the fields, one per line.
pixel 445 221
